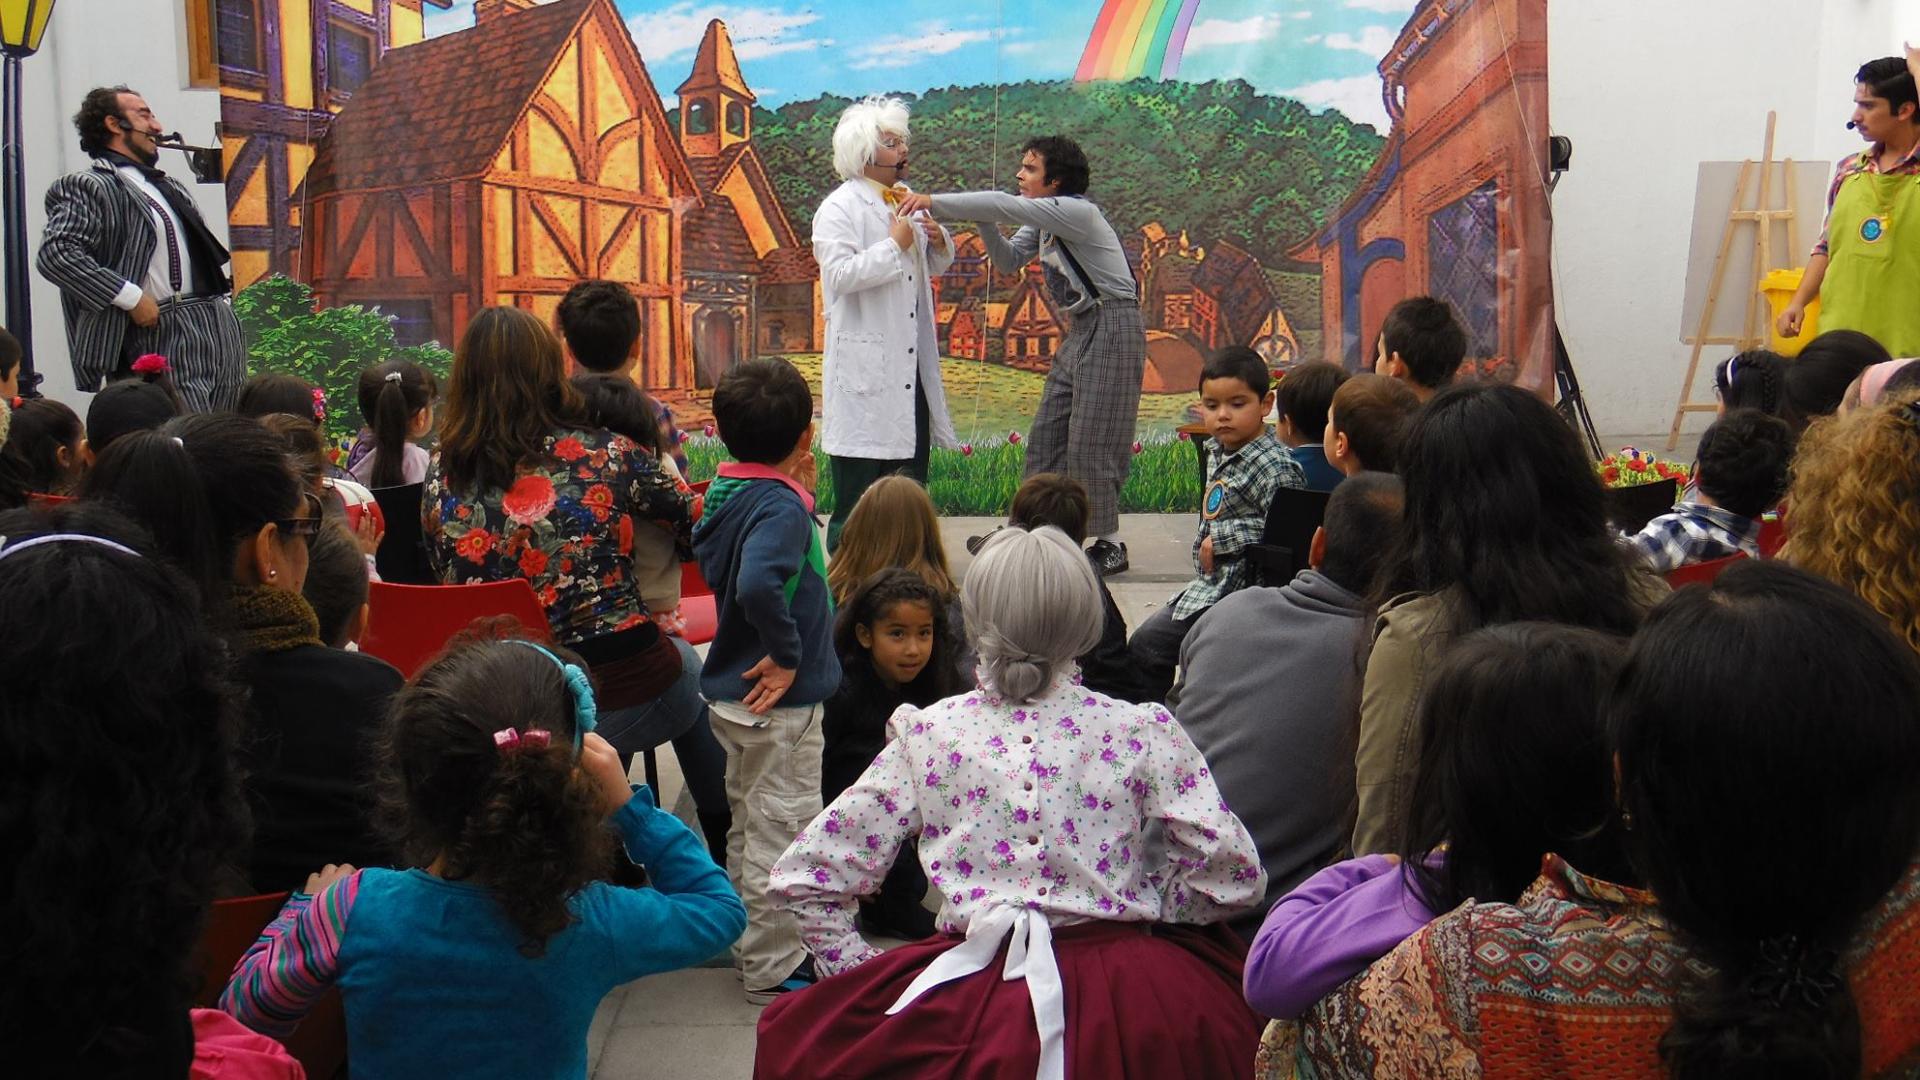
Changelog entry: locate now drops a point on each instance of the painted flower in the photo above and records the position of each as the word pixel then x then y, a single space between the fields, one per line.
pixel 1184 436
pixel 966 449
pixel 474 545
pixel 530 499
pixel 707 431
pixel 599 499
pixel 1013 438
pixel 1137 447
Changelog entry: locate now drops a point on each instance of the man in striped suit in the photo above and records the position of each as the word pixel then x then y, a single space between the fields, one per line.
pixel 139 271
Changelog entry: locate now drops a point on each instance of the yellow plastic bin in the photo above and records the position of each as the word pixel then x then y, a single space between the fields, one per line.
pixel 1778 287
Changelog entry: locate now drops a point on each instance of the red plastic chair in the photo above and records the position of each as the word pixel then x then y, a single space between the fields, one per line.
pixel 408 625
pixel 1773 534
pixel 1700 573
pixel 697 605
pixel 319 1043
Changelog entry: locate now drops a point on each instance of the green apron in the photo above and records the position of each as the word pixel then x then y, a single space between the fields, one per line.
pixel 1873 279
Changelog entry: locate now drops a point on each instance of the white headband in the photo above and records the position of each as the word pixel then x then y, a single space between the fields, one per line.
pixel 7 549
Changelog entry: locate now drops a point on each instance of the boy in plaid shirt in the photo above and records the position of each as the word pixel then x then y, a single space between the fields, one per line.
pixel 1740 475
pixel 1245 466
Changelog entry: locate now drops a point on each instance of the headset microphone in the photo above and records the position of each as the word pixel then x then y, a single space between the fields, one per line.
pixel 1851 126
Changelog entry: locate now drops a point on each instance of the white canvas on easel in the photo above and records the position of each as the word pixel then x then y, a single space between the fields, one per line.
pixel 1747 220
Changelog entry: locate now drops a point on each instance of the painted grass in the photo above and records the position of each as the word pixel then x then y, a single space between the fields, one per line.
pixel 1164 479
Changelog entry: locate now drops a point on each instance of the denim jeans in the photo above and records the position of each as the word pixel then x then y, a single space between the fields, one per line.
pixel 678 716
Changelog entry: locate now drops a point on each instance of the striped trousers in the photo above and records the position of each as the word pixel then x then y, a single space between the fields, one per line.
pixel 1090 405
pixel 200 337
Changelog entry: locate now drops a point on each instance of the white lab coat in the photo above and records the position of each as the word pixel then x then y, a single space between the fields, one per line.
pixel 879 328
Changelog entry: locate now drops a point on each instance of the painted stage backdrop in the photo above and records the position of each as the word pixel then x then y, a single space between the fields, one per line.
pixel 1280 172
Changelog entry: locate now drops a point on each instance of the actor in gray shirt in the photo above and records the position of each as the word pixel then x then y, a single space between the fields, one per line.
pixel 1084 426
pixel 1270 691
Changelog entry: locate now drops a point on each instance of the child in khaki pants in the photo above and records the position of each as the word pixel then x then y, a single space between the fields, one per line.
pixel 771 663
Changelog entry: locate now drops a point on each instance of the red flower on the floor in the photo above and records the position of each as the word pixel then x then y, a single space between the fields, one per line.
pixel 530 499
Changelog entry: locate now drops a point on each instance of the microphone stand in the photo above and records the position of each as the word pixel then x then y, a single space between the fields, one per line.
pixel 205 161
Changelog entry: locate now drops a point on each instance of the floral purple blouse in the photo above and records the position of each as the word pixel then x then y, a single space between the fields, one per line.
pixel 566 526
pixel 1045 806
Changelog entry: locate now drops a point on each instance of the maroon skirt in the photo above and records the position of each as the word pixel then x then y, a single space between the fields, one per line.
pixel 1142 1001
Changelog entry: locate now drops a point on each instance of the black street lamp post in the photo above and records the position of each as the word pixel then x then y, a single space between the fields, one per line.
pixel 22 24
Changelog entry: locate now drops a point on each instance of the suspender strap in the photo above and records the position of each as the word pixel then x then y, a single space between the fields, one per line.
pixel 1078 271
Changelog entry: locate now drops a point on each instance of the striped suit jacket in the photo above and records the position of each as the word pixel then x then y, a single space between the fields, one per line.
pixel 99 236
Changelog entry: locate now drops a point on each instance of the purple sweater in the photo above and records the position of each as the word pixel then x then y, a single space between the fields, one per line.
pixel 1327 931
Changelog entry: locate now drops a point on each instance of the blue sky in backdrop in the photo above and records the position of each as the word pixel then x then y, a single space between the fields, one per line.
pixel 1321 52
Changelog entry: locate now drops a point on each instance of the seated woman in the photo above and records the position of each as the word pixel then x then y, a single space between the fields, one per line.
pixel 1852 513
pixel 118 819
pixel 1513 764
pixel 1033 801
pixel 524 486
pixel 222 501
pixel 1765 730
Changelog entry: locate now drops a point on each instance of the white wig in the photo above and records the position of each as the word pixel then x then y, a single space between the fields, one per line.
pixel 856 138
pixel 1031 604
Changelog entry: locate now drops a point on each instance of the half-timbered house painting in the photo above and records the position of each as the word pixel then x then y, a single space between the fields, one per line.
pixel 285 68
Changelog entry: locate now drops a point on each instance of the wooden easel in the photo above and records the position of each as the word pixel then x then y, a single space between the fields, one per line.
pixel 1753 326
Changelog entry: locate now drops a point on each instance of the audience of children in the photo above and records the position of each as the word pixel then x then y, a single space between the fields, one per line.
pixel 1303 398
pixel 895 649
pixel 489 953
pixel 524 485
pixel 396 401
pixel 1270 690
pixel 1059 500
pixel 1504 522
pixel 336 585
pixel 1817 379
pixel 1366 422
pixel 1514 765
pixel 616 403
pixel 895 524
pixel 1754 380
pixel 1245 466
pixel 49 442
pixel 126 406
pixel 1871 386
pixel 340 497
pixel 1033 800
pixel 1740 474
pixel 1853 508
pixel 120 807
pixel 1764 732
pixel 771 664
pixel 600 323
pixel 1422 344
pixel 269 392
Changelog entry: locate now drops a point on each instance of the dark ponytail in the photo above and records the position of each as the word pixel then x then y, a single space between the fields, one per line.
pixel 390 394
pixel 525 823
pixel 1765 732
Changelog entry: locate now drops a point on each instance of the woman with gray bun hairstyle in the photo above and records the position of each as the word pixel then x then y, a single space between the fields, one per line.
pixel 1031 799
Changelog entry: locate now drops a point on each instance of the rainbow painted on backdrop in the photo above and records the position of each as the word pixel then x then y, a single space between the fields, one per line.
pixel 1132 38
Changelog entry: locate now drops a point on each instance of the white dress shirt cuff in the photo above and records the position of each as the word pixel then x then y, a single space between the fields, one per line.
pixel 129 297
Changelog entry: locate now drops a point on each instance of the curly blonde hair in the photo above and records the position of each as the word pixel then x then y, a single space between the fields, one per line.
pixel 1853 509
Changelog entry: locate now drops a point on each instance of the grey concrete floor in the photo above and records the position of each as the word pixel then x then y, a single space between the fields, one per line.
pixel 695 1024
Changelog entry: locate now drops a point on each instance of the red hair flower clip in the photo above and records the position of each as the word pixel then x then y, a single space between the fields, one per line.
pixel 319 406
pixel 151 364
pixel 509 740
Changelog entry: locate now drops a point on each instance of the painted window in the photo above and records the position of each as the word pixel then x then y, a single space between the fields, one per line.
pixel 699 117
pixel 736 119
pixel 1463 245
pixel 237 34
pixel 412 320
pixel 349 57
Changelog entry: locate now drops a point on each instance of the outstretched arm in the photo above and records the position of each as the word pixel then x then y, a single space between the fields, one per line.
pixel 295 960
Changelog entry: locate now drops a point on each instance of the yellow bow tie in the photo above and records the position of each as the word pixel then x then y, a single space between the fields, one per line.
pixel 890 195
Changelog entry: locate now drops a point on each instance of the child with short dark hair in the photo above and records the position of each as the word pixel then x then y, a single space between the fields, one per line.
pixel 269 392
pixel 49 441
pixel 124 407
pixel 895 649
pixel 336 585
pixel 1422 344
pixel 1245 466
pixel 1304 396
pixel 490 955
pixel 771 664
pixel 1059 500
pixel 600 323
pixel 616 403
pixel 1740 475
pixel 396 402
pixel 1366 422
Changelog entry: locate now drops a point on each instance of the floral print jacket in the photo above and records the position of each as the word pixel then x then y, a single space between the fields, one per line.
pixel 1045 805
pixel 566 526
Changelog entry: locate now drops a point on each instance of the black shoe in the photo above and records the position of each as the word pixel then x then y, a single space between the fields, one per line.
pixel 1108 557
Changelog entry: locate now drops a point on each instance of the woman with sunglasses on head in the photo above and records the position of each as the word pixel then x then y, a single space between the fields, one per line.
pixel 223 502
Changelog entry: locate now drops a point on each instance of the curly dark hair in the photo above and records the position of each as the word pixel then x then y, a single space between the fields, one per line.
pixel 100 103
pixel 869 603
pixel 120 802
pixel 526 824
pixel 1743 460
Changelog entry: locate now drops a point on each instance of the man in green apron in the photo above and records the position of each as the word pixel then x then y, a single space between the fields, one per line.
pixel 1866 267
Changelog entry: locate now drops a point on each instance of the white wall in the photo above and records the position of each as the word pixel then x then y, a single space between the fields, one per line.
pixel 89 43
pixel 1648 89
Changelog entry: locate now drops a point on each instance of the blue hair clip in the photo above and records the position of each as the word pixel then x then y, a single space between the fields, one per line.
pixel 585 714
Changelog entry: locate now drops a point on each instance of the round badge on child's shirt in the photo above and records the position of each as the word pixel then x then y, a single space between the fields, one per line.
pixel 1216 498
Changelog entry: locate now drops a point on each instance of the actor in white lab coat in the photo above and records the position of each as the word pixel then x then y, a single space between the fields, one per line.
pixel 882 405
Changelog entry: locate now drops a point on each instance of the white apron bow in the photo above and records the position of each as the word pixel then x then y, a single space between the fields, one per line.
pixel 1029 957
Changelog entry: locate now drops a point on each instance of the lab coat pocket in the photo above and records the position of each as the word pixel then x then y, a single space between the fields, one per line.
pixel 859 360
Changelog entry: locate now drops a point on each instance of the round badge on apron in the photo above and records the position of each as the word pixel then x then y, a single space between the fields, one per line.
pixel 1215 500
pixel 1873 229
